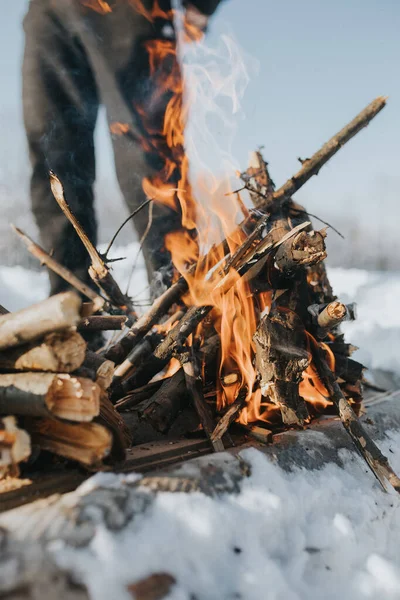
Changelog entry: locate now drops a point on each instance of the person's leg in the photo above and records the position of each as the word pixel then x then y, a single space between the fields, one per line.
pixel 60 103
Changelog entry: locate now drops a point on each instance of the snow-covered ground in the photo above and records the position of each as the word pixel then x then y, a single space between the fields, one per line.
pixel 302 535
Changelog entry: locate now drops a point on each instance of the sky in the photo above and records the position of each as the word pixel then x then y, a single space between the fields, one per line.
pixel 310 67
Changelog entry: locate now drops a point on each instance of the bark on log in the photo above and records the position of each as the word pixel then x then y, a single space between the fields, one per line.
pixel 328 316
pixel 192 371
pixel 113 421
pixel 377 462
pixel 103 323
pixel 313 165
pixel 54 314
pixel 15 446
pixel 306 248
pixel 98 271
pixel 137 356
pixel 230 415
pixel 45 259
pixel 98 369
pixel 165 405
pixel 43 394
pixel 61 352
pixel 87 443
pixel 281 358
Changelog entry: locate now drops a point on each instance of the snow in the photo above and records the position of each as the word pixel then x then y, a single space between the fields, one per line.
pixel 302 535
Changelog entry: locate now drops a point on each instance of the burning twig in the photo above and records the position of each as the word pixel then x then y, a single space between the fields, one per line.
pixel 98 271
pixel 66 274
pixel 191 368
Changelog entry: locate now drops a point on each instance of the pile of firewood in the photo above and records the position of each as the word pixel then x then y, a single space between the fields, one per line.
pixel 53 391
pixel 62 392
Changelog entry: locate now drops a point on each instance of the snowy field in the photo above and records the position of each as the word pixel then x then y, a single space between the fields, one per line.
pixel 303 535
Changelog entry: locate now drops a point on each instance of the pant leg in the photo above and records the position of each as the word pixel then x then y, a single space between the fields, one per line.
pixel 122 36
pixel 60 103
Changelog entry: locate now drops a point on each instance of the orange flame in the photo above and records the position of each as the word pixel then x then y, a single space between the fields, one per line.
pixel 117 128
pixel 99 6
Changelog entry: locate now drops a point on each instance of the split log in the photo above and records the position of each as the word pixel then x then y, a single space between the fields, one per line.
pixel 281 358
pixel 43 394
pixel 377 462
pixel 194 384
pixel 103 323
pixel 98 369
pixel 61 352
pixel 87 443
pixel 54 314
pixel 305 248
pixel 168 401
pixel 15 446
pixel 112 420
pixel 46 259
pixel 98 271
pixel 230 415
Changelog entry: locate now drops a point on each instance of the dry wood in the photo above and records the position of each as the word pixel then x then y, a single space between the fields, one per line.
pixel 258 180
pixel 303 249
pixel 167 402
pixel 45 259
pixel 230 415
pixel 61 352
pixel 377 462
pixel 261 434
pixel 103 323
pixel 15 446
pixel 328 316
pixel 43 394
pixel 98 369
pixel 281 358
pixel 192 370
pixel 98 271
pixel 54 314
pixel 87 443
pixel 113 421
pixel 313 165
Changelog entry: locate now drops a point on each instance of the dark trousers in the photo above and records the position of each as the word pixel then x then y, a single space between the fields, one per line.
pixel 63 86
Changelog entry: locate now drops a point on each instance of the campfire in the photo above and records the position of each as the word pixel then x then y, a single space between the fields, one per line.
pixel 245 341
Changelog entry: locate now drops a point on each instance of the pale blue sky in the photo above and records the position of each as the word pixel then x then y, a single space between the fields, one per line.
pixel 319 64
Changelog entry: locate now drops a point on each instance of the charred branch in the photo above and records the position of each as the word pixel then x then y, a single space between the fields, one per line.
pixel 167 402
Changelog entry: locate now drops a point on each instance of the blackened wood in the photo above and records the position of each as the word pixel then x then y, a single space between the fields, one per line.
pixel 137 356
pixel 167 402
pixel 46 259
pixel 348 369
pixel 281 358
pixel 230 415
pixel 98 271
pixel 54 314
pixel 192 370
pixel 103 323
pixel 61 352
pixel 164 351
pixel 137 396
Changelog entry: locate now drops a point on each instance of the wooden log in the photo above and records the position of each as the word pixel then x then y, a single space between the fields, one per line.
pixel 192 370
pixel 137 396
pixel 137 356
pixel 112 420
pixel 54 314
pixel 46 259
pixel 326 317
pixel 103 323
pixel 230 415
pixel 86 443
pixel 258 180
pixel 15 446
pixel 281 358
pixel 167 402
pixel 98 369
pixel 61 352
pixel 47 394
pixel 163 352
pixel 377 462
pixel 348 369
pixel 98 271
pixel 313 165
pixel 305 248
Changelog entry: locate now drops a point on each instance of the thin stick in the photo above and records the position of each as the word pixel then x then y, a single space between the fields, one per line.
pixel 230 415
pixel 313 165
pixel 135 212
pixel 98 271
pixel 66 274
pixel 142 240
pixel 194 384
pixel 103 323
